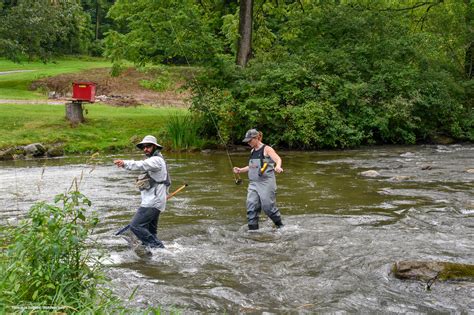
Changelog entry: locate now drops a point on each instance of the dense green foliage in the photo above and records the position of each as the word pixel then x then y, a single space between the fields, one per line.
pixel 158 31
pixel 324 74
pixel 48 262
pixel 38 29
pixel 337 76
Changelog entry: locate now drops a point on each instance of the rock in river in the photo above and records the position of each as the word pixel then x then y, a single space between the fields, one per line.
pixel 429 270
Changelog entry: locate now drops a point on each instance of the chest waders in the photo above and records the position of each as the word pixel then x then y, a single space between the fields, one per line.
pixel 261 193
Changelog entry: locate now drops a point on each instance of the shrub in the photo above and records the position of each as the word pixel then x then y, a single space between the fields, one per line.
pixel 47 264
pixel 340 77
pixel 182 131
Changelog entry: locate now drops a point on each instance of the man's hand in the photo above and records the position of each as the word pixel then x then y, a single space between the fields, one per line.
pixel 119 163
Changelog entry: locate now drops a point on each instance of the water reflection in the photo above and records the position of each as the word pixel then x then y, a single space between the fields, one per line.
pixel 343 231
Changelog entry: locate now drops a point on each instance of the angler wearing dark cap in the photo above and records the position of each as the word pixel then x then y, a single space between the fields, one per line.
pixel 261 193
pixel 153 185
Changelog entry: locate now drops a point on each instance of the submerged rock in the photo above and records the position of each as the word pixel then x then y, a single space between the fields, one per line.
pixel 370 173
pixel 431 270
pixel 400 178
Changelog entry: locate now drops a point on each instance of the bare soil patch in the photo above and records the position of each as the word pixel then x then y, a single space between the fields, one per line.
pixel 123 90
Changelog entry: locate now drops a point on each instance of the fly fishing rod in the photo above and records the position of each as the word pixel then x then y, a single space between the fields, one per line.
pixel 237 178
pixel 167 197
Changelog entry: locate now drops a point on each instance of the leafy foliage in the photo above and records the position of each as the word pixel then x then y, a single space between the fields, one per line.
pixel 338 76
pixel 39 29
pixel 47 261
pixel 182 132
pixel 157 31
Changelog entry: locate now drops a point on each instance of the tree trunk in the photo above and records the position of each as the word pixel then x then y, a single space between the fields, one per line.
pixel 97 19
pixel 74 113
pixel 245 32
pixel 469 53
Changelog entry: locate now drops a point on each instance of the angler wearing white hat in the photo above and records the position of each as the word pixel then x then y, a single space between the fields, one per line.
pixel 153 185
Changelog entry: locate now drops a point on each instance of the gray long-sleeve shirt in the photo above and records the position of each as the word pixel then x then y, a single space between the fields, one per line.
pixel 156 167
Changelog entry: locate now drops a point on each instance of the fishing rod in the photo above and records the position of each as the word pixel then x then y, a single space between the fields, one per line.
pixel 237 178
pixel 167 197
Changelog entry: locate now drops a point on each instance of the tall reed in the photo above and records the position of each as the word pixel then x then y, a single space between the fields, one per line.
pixel 182 131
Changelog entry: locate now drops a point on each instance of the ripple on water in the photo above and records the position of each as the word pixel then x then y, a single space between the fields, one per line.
pixel 342 232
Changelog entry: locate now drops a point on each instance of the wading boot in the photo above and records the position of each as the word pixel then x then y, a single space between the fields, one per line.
pixel 253 227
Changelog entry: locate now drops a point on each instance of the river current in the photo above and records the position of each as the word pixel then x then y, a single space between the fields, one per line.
pixel 343 231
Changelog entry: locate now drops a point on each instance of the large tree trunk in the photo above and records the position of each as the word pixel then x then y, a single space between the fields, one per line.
pixel 74 113
pixel 245 32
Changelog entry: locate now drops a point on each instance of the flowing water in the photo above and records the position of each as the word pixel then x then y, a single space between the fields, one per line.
pixel 342 233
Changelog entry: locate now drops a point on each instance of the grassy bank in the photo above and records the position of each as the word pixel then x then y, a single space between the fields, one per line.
pixel 108 129
pixel 16 85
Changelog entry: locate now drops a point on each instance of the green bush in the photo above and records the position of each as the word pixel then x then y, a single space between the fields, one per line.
pixel 47 262
pixel 182 131
pixel 338 77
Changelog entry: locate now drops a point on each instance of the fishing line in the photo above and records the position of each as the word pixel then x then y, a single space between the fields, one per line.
pixel 237 178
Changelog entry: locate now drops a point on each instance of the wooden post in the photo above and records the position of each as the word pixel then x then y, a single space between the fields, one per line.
pixel 74 112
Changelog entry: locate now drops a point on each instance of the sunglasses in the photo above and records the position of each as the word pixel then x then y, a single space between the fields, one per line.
pixel 147 146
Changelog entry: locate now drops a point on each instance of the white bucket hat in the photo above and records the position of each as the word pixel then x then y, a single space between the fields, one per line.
pixel 149 140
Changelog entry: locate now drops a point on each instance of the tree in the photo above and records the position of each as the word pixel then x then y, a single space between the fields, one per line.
pixel 40 29
pixel 469 55
pixel 98 10
pixel 245 32
pixel 345 73
pixel 161 31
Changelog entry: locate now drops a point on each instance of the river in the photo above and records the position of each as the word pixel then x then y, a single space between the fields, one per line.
pixel 342 233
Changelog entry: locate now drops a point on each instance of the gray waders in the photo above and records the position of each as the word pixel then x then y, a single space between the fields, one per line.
pixel 261 193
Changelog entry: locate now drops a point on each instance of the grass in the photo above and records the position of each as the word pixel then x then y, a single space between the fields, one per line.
pixel 107 129
pixel 183 132
pixel 16 85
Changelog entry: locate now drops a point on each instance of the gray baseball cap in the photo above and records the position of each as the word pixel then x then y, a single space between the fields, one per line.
pixel 149 140
pixel 251 133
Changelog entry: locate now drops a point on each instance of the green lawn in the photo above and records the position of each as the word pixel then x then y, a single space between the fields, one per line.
pixel 107 129
pixel 16 85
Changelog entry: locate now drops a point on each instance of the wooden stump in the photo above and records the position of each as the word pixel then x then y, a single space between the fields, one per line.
pixel 74 112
